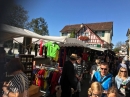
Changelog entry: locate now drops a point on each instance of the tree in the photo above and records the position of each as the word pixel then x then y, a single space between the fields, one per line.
pixel 16 16
pixel 119 44
pixel 116 50
pixel 39 26
pixel 72 34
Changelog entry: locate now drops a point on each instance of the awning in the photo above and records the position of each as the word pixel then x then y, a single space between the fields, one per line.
pixel 98 49
pixel 9 32
pixel 20 40
pixel 72 42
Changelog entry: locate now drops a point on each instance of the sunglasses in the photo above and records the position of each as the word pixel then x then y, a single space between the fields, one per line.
pixel 104 69
pixel 122 71
pixel 96 95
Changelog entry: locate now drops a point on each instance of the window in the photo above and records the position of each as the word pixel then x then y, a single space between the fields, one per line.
pixel 64 34
pixel 101 33
pixel 98 45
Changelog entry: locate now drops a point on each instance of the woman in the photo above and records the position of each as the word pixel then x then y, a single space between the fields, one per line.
pixel 112 92
pixel 122 80
pixel 94 68
pixel 18 85
pixel 95 90
pixel 78 75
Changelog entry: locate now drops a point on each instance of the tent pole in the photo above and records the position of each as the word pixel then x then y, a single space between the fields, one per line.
pixel 25 46
pixel 13 47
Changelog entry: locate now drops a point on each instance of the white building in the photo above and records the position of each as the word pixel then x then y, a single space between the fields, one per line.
pixel 100 33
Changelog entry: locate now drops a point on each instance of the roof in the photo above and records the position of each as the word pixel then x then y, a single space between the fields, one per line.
pixel 93 26
pixel 128 32
pixel 72 42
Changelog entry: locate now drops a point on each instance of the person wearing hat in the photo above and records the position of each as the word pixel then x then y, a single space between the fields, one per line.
pixel 67 81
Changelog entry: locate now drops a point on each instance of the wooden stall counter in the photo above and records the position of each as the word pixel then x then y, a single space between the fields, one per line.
pixel 37 95
pixel 34 91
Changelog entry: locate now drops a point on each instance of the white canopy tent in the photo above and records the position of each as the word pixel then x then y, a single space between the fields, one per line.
pixel 9 32
pixel 98 49
pixel 20 40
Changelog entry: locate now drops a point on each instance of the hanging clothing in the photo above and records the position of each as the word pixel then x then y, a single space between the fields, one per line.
pixel 54 81
pixel 51 49
pixel 57 56
pixel 40 77
pixel 41 48
pixel 36 48
pixel 85 56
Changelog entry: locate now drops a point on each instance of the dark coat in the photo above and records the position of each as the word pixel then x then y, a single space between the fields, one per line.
pixel 67 79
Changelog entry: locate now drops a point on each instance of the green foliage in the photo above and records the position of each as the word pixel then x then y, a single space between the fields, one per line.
pixel 119 44
pixel 16 16
pixel 72 34
pixel 116 50
pixel 39 26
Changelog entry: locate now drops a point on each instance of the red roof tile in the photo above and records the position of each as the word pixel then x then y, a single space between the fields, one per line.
pixel 93 26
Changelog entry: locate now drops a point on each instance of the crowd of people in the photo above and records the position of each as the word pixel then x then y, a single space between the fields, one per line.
pixel 107 79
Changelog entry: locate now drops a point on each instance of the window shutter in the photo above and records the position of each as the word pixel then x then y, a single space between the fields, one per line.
pixel 98 45
pixel 103 32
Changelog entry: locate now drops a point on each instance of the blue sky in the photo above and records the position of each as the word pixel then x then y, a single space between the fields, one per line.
pixel 59 13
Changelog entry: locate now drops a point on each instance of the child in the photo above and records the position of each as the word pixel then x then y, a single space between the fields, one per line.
pixel 112 92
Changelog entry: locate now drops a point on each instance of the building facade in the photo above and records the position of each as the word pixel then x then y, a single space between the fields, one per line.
pixel 93 34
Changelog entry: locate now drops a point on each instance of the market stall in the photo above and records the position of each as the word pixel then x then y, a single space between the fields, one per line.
pixel 10 32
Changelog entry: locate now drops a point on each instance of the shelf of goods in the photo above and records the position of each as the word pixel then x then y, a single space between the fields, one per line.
pixel 27 61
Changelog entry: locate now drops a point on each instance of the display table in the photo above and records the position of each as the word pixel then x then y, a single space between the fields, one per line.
pixel 37 95
pixel 34 91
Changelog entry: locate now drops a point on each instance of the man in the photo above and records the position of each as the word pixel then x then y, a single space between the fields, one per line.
pixel 78 76
pixel 103 77
pixel 67 80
